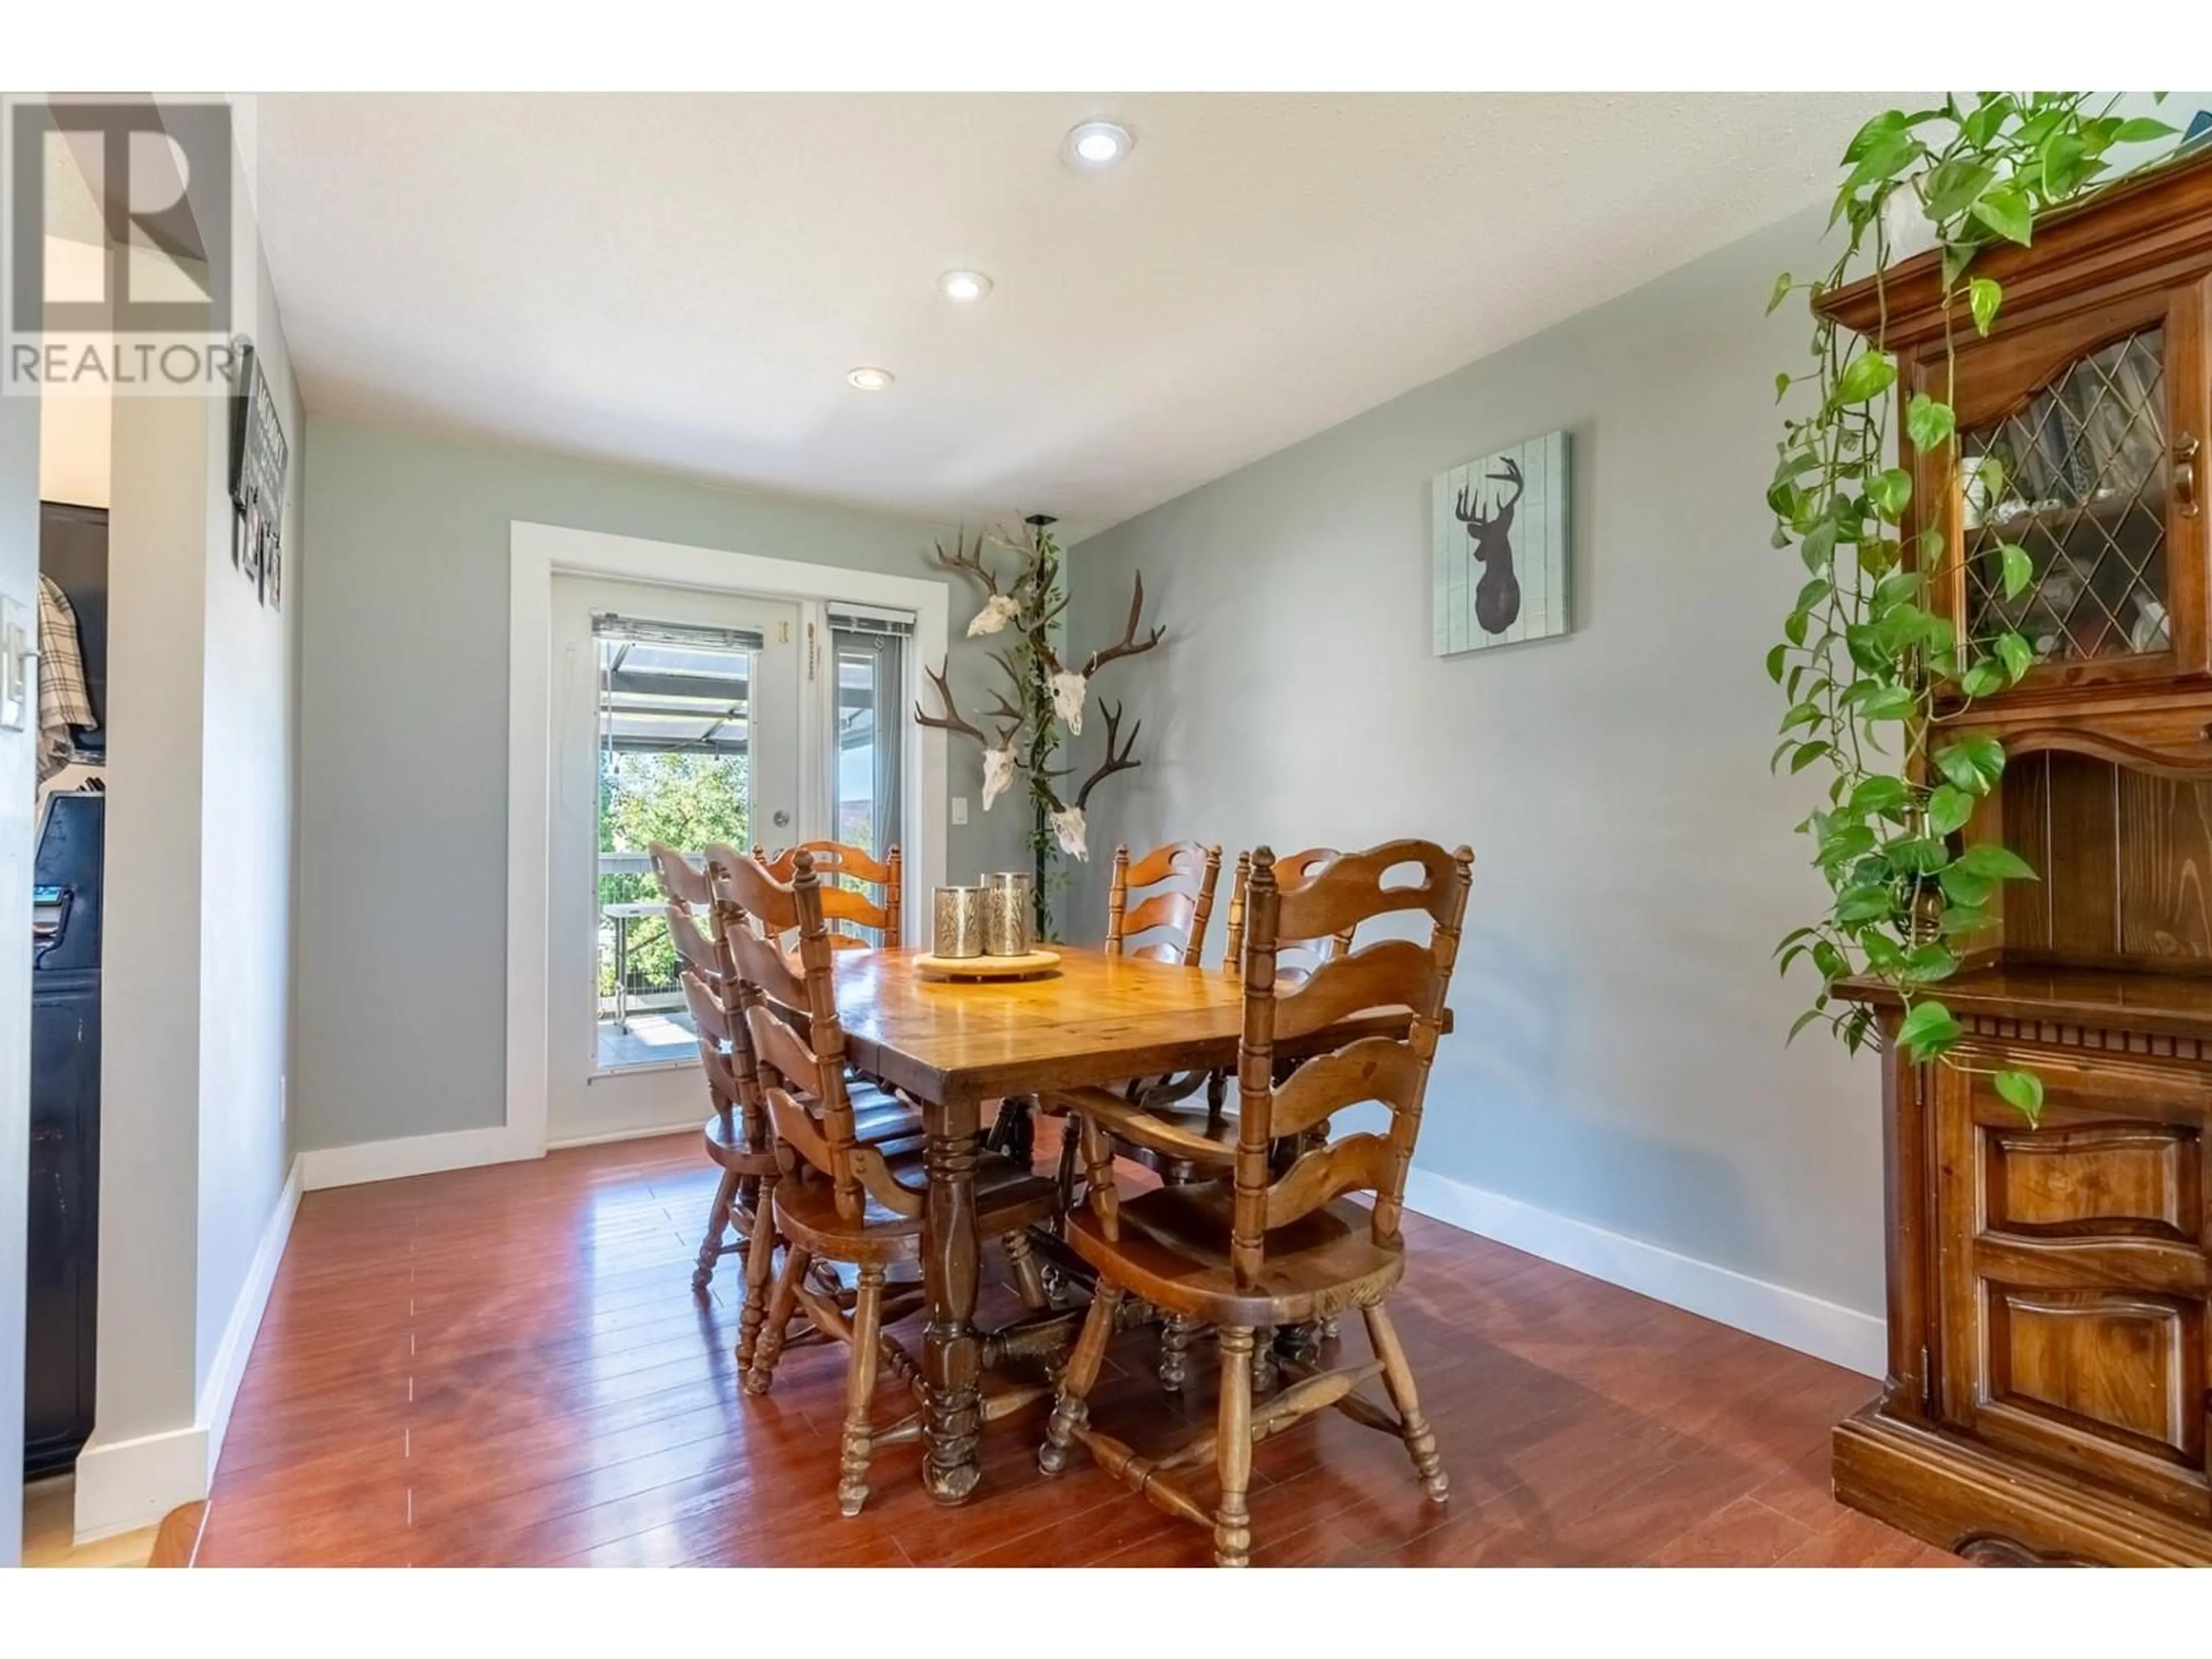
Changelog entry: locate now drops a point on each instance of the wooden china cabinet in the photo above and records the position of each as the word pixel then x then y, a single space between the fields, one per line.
pixel 2048 1283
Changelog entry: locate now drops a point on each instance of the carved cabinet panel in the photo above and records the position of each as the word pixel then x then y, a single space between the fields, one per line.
pixel 2072 1284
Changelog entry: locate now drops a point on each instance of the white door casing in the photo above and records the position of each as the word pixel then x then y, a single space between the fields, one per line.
pixel 537 554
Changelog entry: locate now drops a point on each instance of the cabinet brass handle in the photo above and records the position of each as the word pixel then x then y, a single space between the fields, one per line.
pixel 2184 474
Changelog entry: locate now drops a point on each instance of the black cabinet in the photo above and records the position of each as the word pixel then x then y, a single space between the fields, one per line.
pixel 61 1315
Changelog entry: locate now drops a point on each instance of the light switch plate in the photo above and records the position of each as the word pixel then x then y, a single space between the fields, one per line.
pixel 960 809
pixel 18 664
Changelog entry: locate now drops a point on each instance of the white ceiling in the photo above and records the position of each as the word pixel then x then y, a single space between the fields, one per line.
pixel 682 282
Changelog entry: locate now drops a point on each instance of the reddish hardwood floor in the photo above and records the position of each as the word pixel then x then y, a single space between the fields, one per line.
pixel 507 1366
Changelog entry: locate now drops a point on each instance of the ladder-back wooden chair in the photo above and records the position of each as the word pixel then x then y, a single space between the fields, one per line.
pixel 1173 887
pixel 1296 957
pixel 736 1136
pixel 1172 1099
pixel 840 1199
pixel 731 1144
pixel 1258 1246
pixel 836 865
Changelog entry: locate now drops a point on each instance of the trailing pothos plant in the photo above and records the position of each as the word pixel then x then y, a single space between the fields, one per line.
pixel 1865 647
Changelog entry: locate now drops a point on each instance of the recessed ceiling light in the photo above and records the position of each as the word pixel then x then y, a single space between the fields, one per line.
pixel 872 379
pixel 1097 144
pixel 963 287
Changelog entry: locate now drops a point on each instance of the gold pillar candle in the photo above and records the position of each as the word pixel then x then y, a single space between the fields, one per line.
pixel 958 918
pixel 1006 914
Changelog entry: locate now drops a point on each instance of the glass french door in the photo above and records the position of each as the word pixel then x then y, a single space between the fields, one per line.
pixel 676 717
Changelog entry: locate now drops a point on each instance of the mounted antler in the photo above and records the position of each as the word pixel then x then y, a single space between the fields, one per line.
pixel 1121 762
pixel 1067 823
pixel 950 720
pixel 998 609
pixel 961 558
pixel 997 757
pixel 1129 646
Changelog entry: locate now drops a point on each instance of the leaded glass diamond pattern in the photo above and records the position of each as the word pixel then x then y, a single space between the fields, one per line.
pixel 2077 478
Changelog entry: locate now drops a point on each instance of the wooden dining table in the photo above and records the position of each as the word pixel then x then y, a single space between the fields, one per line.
pixel 1098 1020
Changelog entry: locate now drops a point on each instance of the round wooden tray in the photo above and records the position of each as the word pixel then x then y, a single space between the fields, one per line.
pixel 1036 964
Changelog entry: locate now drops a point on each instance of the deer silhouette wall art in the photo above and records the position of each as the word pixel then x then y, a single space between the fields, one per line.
pixel 1498 595
pixel 1500 547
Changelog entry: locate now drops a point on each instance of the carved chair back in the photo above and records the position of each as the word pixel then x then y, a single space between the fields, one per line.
pixel 725 1051
pixel 681 882
pixel 1296 959
pixel 790 1011
pixel 836 866
pixel 710 985
pixel 1389 973
pixel 1177 885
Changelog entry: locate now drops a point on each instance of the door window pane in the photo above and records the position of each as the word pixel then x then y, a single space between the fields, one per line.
pixel 675 766
pixel 870 739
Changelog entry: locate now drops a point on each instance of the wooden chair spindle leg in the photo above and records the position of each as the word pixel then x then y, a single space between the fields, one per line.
pixel 759 1269
pixel 1175 1353
pixel 1264 1375
pixel 780 1308
pixel 859 1390
pixel 1069 1411
pixel 1029 1281
pixel 1233 1519
pixel 718 1222
pixel 1071 1140
pixel 1398 1378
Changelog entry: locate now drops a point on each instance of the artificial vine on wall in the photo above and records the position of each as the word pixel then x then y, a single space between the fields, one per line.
pixel 1865 647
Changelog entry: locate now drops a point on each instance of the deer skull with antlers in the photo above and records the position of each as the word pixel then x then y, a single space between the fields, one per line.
pixel 1071 686
pixel 1067 825
pixel 997 757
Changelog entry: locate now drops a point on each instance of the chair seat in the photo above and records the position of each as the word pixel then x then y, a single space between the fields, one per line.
pixel 1007 1197
pixel 881 1119
pixel 1174 1252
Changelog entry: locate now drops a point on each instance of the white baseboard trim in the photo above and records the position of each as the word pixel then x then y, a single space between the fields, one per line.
pixel 391 1160
pixel 1842 1336
pixel 689 1125
pixel 219 1392
pixel 125 1485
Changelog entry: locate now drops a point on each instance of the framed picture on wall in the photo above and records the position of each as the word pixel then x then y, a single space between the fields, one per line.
pixel 259 457
pixel 1499 560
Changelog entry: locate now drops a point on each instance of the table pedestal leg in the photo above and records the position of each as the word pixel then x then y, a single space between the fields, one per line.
pixel 951 1357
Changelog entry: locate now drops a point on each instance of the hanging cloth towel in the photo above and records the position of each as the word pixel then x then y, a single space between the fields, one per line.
pixel 62 700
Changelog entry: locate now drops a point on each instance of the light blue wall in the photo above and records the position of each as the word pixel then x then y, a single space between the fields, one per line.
pixel 1618 1057
pixel 402 990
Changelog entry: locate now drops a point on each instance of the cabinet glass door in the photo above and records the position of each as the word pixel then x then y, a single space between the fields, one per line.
pixel 2078 477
